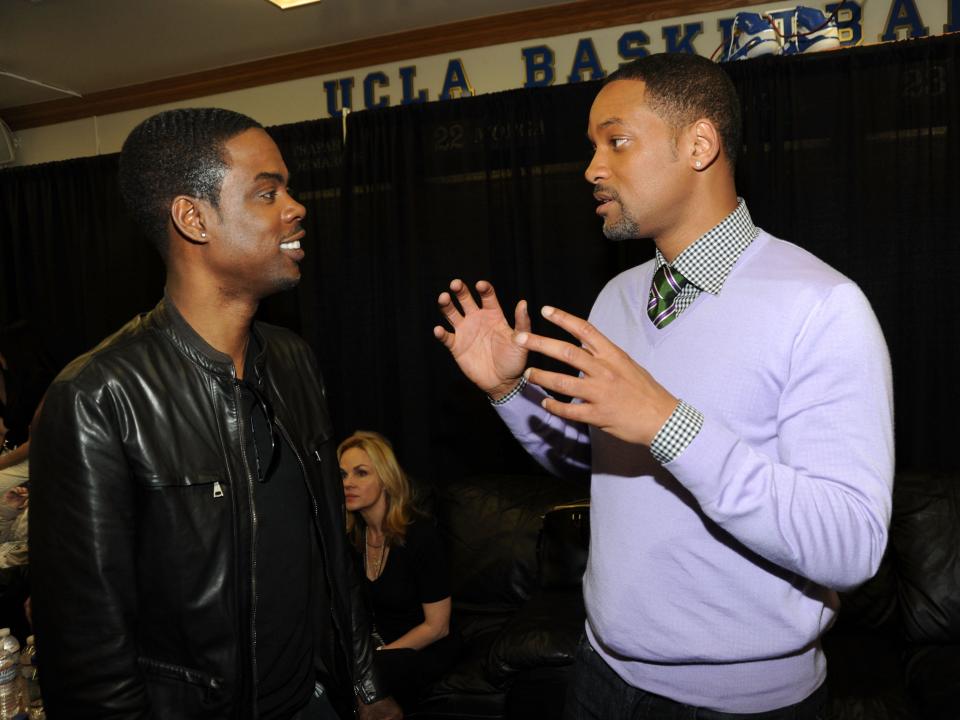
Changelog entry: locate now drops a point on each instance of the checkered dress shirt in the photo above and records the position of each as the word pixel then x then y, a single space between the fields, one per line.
pixel 706 264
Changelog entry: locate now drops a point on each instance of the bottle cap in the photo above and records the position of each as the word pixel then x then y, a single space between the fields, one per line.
pixel 4 632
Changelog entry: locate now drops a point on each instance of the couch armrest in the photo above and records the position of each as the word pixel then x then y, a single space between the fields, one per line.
pixel 544 632
pixel 490 525
pixel 563 545
pixel 925 544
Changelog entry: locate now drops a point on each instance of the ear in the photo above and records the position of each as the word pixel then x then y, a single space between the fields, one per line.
pixel 187 215
pixel 705 144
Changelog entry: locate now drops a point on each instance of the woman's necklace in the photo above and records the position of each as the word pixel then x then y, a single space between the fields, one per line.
pixel 367 562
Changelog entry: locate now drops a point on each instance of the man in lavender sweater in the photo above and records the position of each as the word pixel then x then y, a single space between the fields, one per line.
pixel 733 406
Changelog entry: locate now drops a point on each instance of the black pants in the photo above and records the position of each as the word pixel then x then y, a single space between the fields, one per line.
pixel 596 692
pixel 319 708
pixel 406 672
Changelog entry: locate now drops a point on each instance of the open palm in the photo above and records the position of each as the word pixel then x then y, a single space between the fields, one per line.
pixel 482 339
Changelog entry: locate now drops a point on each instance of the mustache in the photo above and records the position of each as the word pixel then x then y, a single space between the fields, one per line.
pixel 602 193
pixel 293 233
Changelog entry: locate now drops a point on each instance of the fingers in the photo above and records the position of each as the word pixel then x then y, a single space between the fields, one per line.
pixel 488 296
pixel 467 304
pixel 521 317
pixel 561 350
pixel 576 412
pixel 464 296
pixel 448 309
pixel 485 290
pixel 587 334
pixel 562 383
pixel 459 302
pixel 443 336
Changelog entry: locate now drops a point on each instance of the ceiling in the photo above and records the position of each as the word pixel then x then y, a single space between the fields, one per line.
pixel 88 46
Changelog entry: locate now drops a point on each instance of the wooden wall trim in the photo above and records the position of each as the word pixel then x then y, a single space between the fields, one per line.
pixel 510 27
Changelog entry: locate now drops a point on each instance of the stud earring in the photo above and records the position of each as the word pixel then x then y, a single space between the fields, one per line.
pixel 698 164
pixel 203 234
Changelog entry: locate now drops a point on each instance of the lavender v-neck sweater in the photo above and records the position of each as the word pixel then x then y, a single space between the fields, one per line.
pixel 711 578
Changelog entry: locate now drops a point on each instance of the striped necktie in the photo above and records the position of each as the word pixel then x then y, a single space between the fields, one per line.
pixel 664 289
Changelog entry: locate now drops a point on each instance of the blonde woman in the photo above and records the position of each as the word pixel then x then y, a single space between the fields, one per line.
pixel 404 563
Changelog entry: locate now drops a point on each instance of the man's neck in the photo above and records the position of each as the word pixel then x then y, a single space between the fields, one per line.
pixel 705 211
pixel 223 322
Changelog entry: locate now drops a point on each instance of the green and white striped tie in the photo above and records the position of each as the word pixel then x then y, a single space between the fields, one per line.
pixel 667 284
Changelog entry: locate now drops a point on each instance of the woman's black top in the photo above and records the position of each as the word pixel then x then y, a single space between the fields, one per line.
pixel 415 573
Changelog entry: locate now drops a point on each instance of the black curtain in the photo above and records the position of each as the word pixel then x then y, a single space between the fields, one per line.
pixel 487 187
pixel 313 152
pixel 845 153
pixel 853 155
pixel 74 267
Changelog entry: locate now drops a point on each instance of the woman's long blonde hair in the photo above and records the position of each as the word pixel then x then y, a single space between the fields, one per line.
pixel 400 511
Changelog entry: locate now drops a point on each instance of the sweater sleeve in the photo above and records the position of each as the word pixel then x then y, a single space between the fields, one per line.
pixel 560 446
pixel 822 507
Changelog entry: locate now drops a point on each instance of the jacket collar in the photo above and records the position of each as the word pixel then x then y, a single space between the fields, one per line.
pixel 175 327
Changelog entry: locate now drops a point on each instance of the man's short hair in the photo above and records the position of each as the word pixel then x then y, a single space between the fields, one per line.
pixel 682 88
pixel 176 152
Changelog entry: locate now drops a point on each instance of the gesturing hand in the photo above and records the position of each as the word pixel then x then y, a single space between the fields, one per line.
pixel 482 340
pixel 617 395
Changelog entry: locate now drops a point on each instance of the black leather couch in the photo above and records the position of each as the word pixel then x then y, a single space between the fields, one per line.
pixel 517 548
pixel 519 612
pixel 894 652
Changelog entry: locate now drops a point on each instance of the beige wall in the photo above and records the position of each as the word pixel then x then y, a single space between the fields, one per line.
pixel 488 69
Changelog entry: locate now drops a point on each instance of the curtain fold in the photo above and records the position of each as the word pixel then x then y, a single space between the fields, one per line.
pixel 73 266
pixel 845 153
pixel 852 155
pixel 313 152
pixel 477 188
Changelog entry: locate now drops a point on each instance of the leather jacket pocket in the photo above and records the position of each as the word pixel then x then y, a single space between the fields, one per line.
pixel 181 673
pixel 192 490
pixel 317 445
pixel 180 692
pixel 194 479
pixel 184 543
pixel 323 471
pixel 194 508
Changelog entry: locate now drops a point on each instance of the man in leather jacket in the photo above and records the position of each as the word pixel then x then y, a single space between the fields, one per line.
pixel 188 551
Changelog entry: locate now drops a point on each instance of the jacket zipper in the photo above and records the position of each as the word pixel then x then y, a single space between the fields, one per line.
pixel 253 543
pixel 316 520
pixel 348 652
pixel 303 472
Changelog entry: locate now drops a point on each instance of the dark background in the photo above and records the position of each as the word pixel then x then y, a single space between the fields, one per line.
pixel 848 153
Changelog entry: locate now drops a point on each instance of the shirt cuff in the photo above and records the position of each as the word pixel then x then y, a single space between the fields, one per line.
pixel 510 395
pixel 677 432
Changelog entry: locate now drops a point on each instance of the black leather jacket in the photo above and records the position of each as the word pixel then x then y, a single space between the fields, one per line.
pixel 142 528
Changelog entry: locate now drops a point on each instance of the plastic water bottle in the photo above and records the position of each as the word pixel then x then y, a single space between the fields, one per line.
pixel 32 702
pixel 10 686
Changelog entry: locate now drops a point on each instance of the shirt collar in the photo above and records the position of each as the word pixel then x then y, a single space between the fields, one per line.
pixel 708 261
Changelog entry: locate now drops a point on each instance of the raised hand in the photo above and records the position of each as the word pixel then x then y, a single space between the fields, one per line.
pixel 482 340
pixel 617 395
